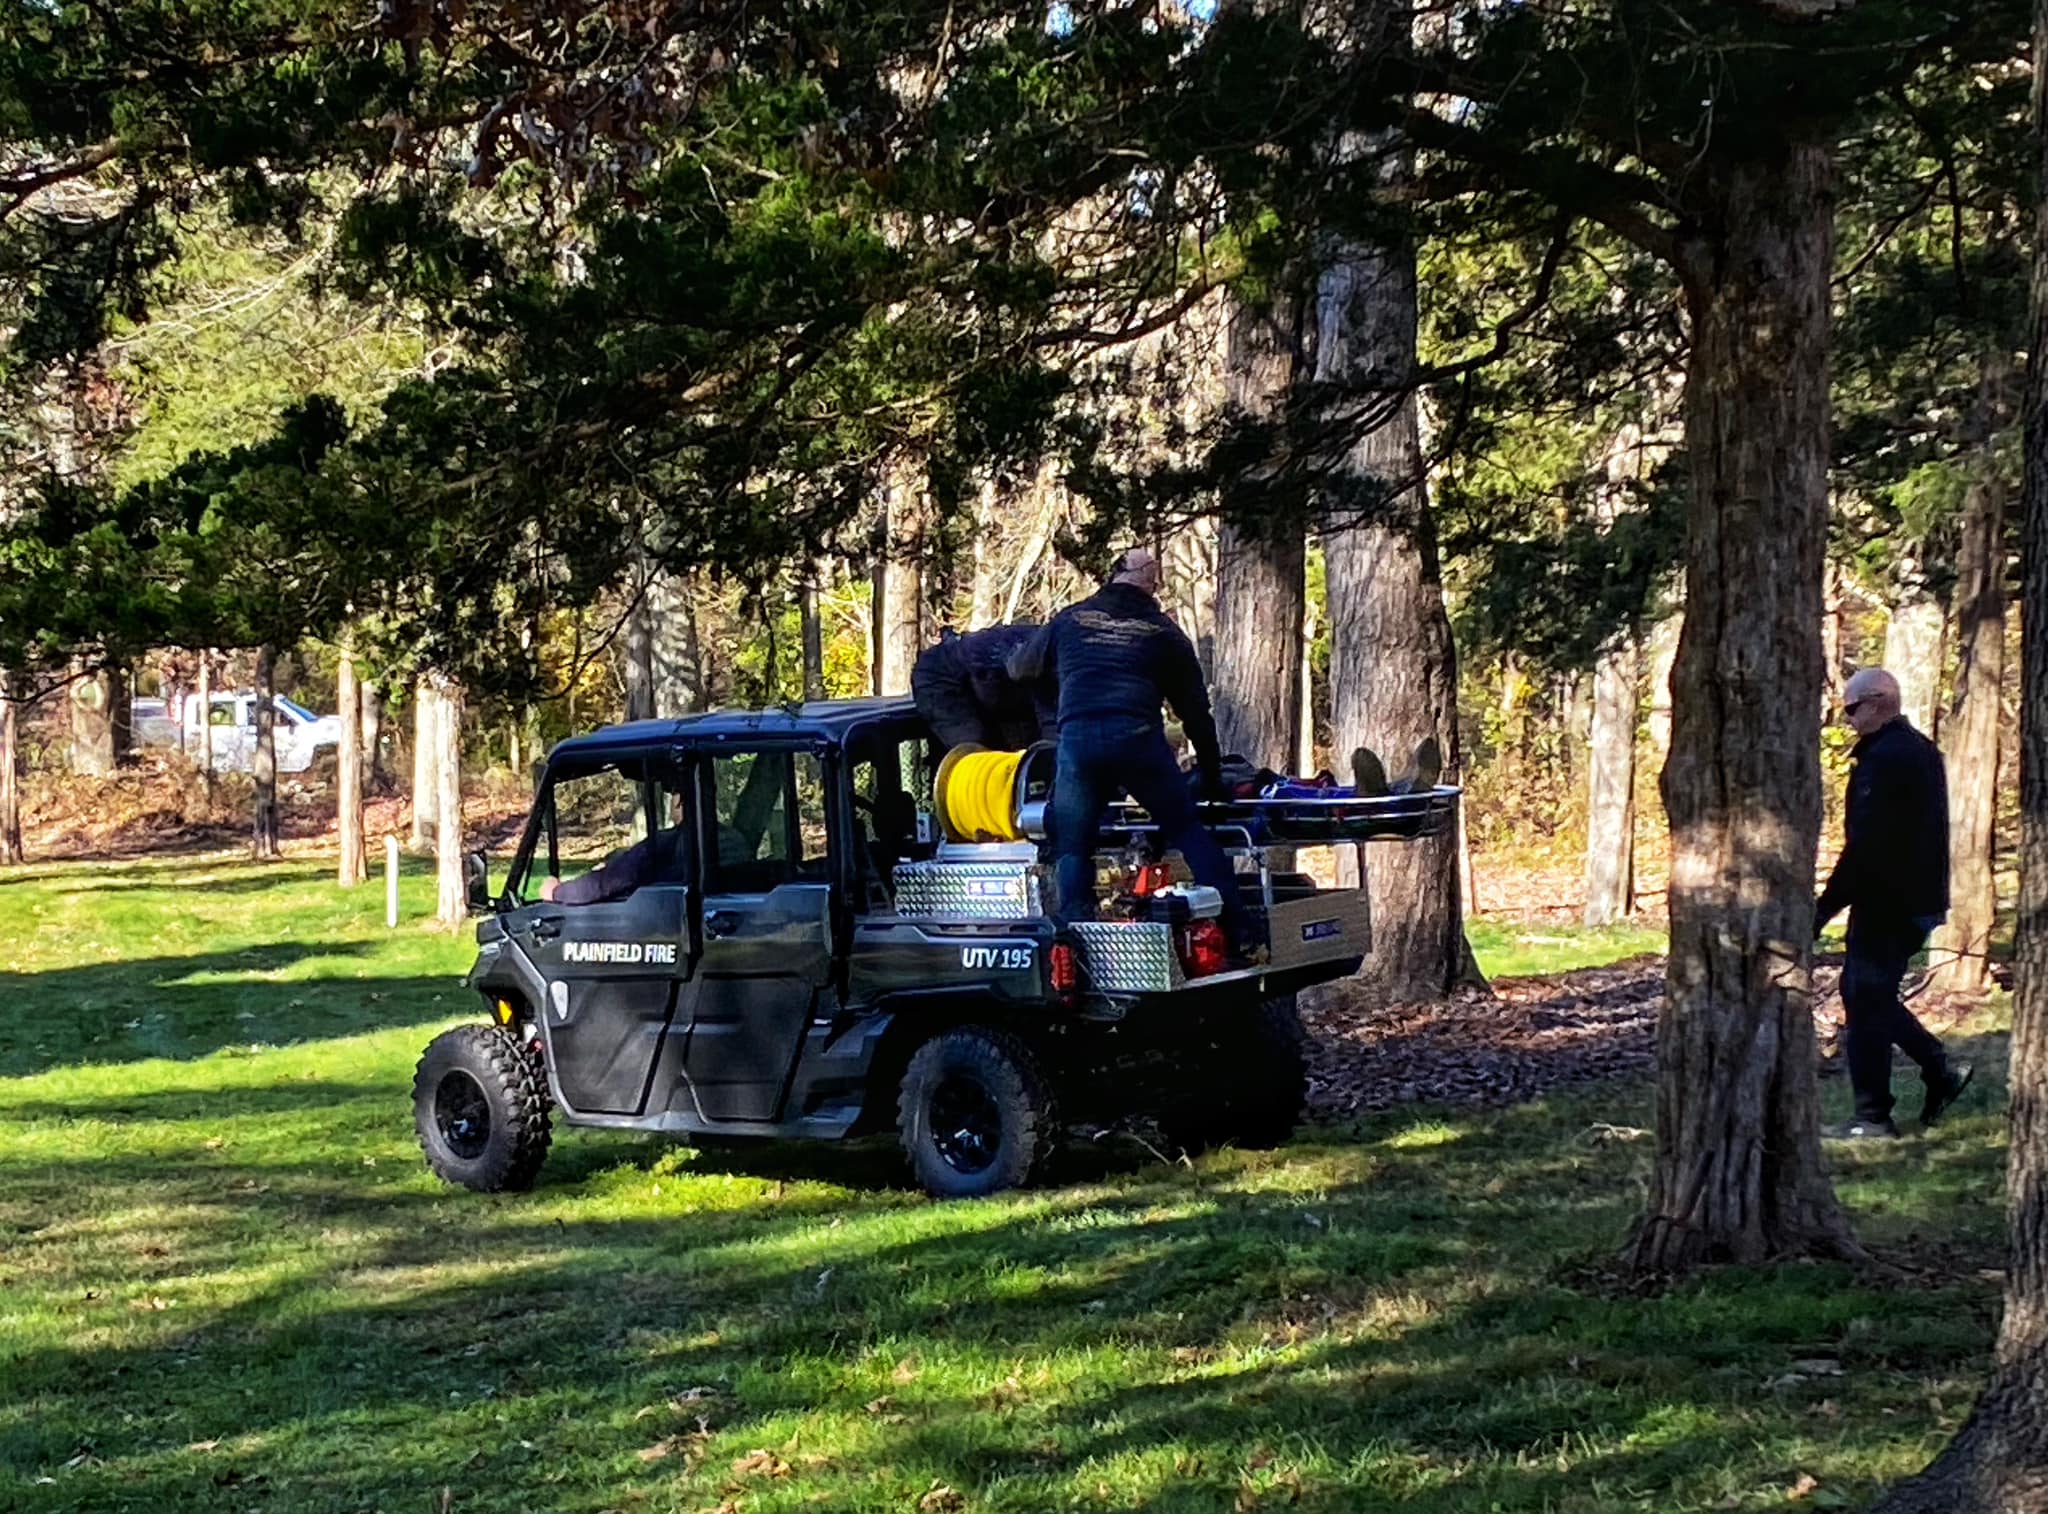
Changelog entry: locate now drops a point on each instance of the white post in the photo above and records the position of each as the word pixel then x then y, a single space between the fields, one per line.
pixel 391 882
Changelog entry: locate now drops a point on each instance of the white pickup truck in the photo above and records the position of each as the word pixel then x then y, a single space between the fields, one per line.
pixel 301 735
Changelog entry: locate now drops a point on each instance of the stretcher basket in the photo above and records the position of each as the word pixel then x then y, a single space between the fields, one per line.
pixel 1306 821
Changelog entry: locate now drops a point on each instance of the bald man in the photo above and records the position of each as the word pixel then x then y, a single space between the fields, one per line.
pixel 1112 660
pixel 1893 879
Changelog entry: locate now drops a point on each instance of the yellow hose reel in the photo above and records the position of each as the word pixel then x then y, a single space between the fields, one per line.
pixel 993 796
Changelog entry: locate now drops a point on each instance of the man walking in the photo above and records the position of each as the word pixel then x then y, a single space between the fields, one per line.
pixel 1113 658
pixel 1893 878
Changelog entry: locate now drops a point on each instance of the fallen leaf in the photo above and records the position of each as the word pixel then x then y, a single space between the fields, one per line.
pixel 1804 1488
pixel 880 1405
pixel 760 1464
pixel 204 1445
pixel 941 1500
pixel 660 1449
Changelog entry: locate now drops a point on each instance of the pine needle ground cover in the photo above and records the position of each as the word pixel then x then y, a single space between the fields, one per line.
pixel 227 1283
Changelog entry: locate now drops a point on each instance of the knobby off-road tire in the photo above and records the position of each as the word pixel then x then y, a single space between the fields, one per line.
pixel 481 1109
pixel 1247 1083
pixel 975 1114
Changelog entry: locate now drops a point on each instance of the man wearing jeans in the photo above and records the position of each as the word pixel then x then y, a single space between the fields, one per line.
pixel 1893 878
pixel 1113 659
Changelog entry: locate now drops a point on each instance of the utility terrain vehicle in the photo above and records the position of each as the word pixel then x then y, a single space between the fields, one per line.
pixel 814 955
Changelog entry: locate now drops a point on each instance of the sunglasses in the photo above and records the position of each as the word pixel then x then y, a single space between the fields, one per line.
pixel 1854 705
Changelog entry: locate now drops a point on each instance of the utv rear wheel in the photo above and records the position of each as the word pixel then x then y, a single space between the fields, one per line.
pixel 974 1114
pixel 1249 1082
pixel 481 1109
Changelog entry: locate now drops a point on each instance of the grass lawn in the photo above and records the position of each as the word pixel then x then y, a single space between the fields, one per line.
pixel 227 1282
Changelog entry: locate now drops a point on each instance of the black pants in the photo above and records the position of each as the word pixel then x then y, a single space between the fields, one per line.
pixel 1879 949
pixel 1102 759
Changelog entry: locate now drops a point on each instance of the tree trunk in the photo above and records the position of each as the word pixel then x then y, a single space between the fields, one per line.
pixel 1912 649
pixel 1260 561
pixel 348 786
pixel 1998 1462
pixel 11 853
pixel 899 585
pixel 121 713
pixel 264 840
pixel 372 705
pixel 1305 722
pixel 1663 654
pixel 1393 670
pixel 985 600
pixel 1970 741
pixel 92 725
pixel 453 906
pixel 638 663
pixel 1738 1174
pixel 1611 786
pixel 814 631
pixel 206 724
pixel 678 661
pixel 426 793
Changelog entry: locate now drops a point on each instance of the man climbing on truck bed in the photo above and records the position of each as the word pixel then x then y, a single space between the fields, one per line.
pixel 1113 658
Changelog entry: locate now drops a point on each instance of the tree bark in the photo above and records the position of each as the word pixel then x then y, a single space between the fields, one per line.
pixel 1970 740
pixel 121 713
pixel 372 706
pixel 426 793
pixel 348 786
pixel 1912 649
pixel 899 584
pixel 1393 670
pixel 264 839
pixel 1998 1462
pixel 638 663
pixel 815 570
pixel 678 660
pixel 11 853
pixel 985 600
pixel 1738 1174
pixel 1611 785
pixel 1260 563
pixel 206 721
pixel 453 905
pixel 1663 654
pixel 92 725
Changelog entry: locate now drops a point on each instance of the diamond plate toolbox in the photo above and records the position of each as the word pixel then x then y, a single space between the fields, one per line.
pixel 1328 925
pixel 968 890
pixel 1128 957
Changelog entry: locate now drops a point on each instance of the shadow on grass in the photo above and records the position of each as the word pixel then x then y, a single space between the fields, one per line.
pixel 190 1006
pixel 1387 1355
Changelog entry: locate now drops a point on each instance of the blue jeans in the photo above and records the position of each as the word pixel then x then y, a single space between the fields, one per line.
pixel 1100 760
pixel 1876 1019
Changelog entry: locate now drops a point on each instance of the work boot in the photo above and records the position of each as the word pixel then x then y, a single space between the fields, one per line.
pixel 1368 774
pixel 1864 1130
pixel 1941 1095
pixel 1427 769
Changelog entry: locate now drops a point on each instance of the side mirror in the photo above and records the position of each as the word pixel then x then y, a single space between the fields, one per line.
pixel 476 882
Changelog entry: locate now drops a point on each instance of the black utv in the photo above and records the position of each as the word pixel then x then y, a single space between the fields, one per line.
pixel 803 952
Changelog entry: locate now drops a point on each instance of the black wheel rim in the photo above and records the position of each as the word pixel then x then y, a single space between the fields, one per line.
pixel 462 1115
pixel 967 1128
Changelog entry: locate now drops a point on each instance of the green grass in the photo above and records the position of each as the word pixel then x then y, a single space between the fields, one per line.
pixel 226 1283
pixel 1512 950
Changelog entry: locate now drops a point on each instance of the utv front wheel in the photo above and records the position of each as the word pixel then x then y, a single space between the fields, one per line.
pixel 975 1114
pixel 481 1109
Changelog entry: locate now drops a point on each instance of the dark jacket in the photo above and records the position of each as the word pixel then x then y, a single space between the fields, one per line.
pixel 1116 655
pixel 973 667
pixel 1894 859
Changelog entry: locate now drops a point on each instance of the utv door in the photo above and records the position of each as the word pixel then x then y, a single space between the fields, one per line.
pixel 767 928
pixel 614 966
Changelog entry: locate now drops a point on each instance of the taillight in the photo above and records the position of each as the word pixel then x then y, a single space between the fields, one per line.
pixel 1063 968
pixel 1207 950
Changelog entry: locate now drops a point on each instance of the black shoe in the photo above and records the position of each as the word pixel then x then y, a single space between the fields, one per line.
pixel 1940 1097
pixel 1368 774
pixel 1427 770
pixel 1864 1130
